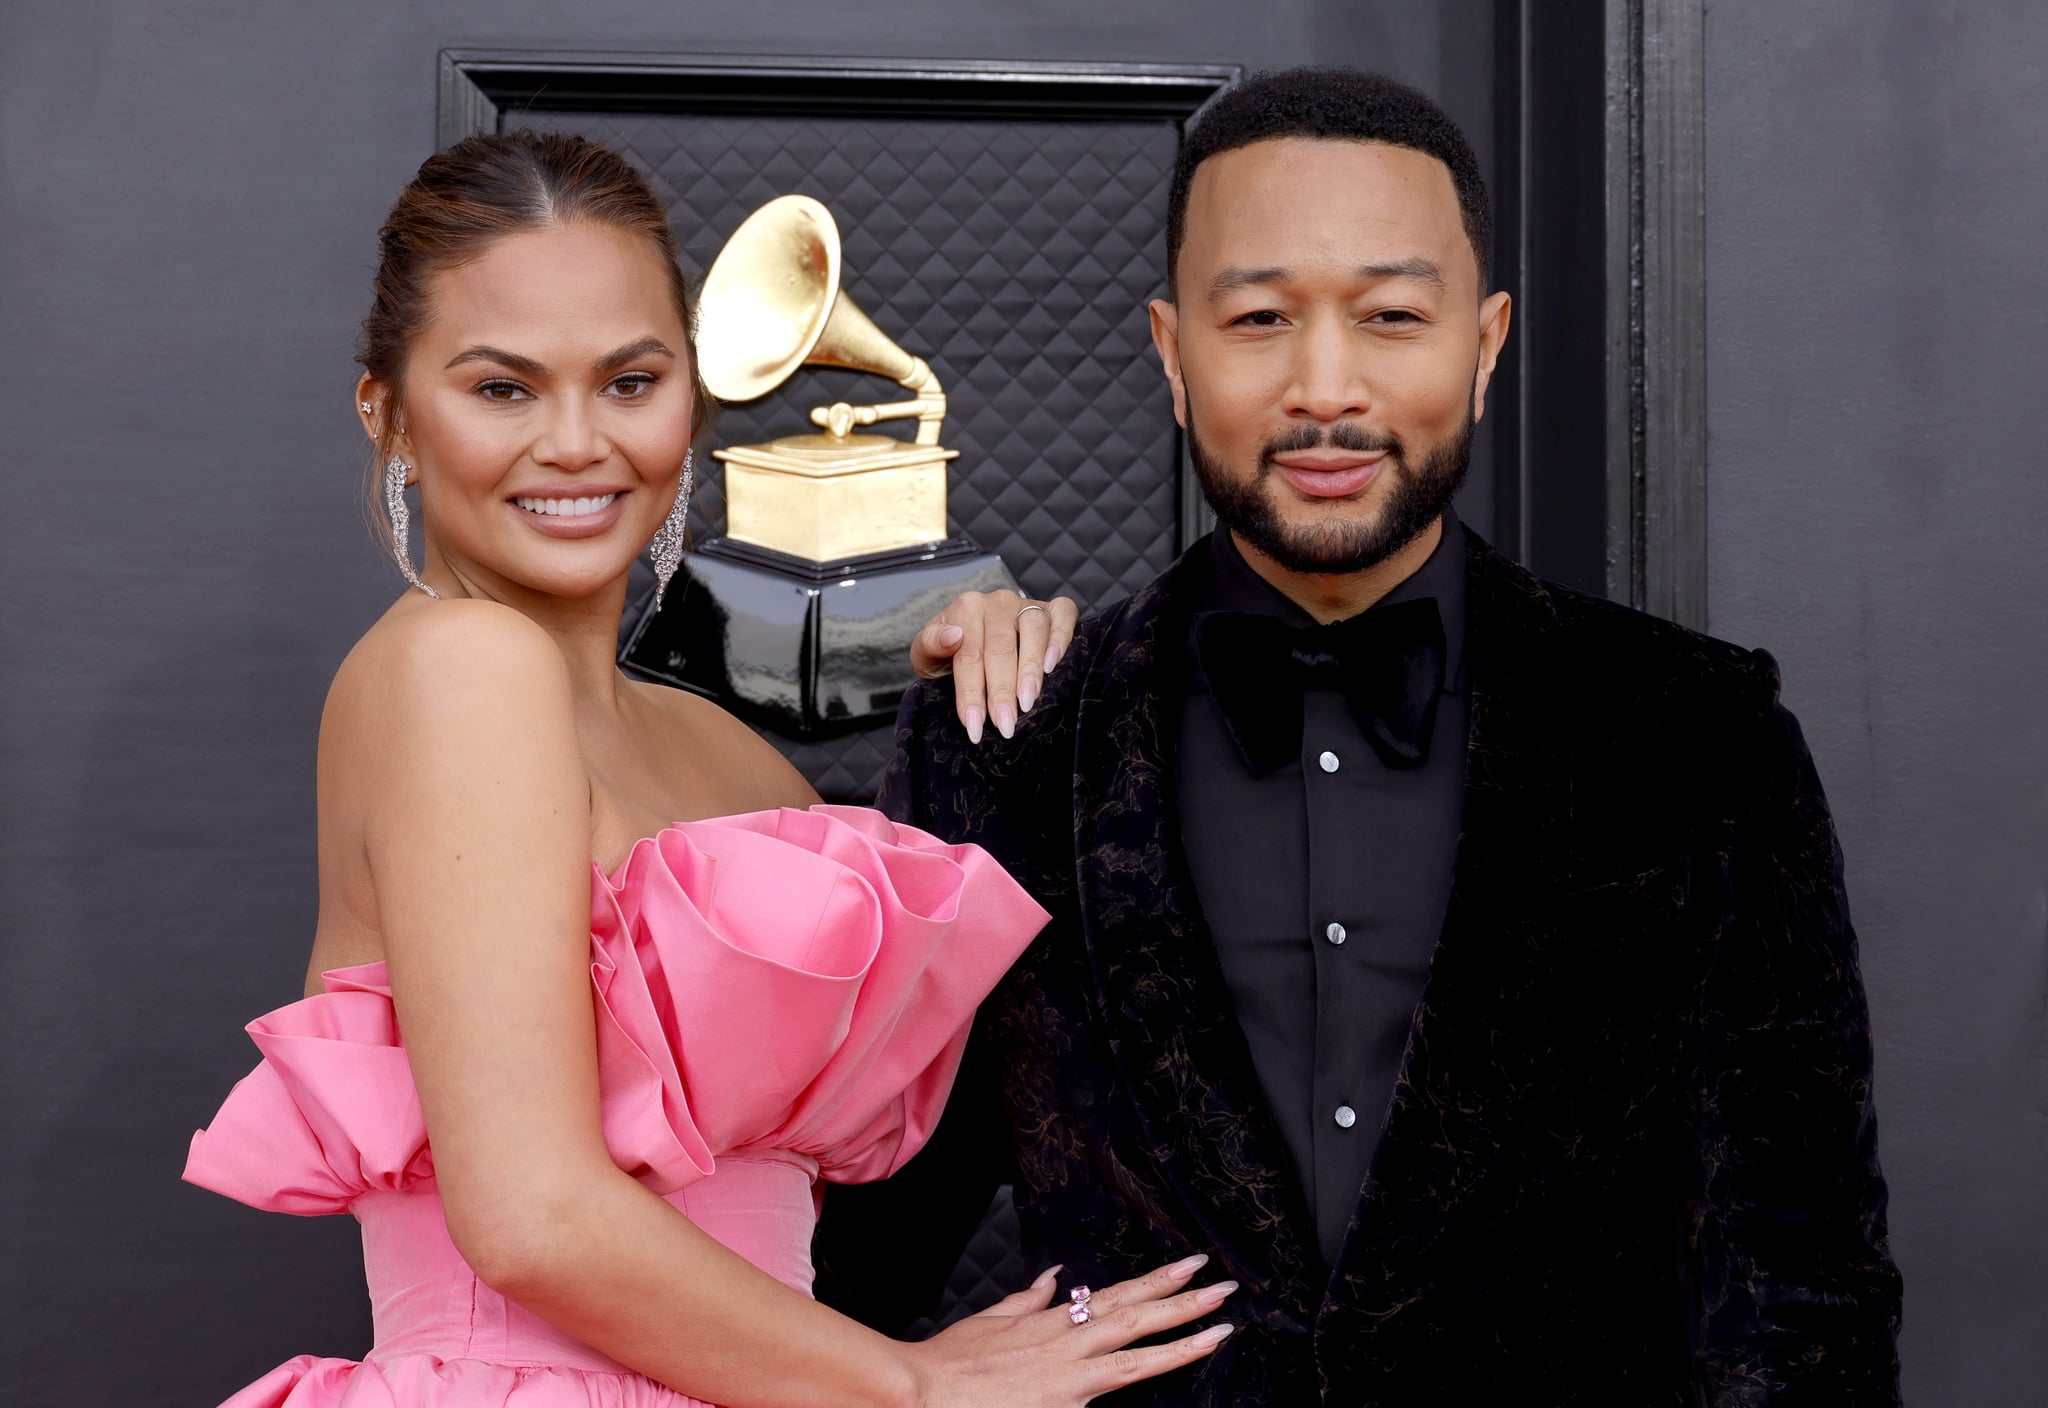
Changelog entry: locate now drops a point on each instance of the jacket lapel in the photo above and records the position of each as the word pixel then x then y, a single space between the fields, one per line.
pixel 1442 1136
pixel 1164 1003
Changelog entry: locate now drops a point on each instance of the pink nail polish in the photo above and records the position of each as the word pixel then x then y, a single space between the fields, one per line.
pixel 1189 1266
pixel 1027 694
pixel 974 718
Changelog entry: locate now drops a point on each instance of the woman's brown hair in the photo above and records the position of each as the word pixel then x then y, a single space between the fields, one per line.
pixel 477 192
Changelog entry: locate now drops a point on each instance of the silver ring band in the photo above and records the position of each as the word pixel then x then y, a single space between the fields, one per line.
pixel 1031 606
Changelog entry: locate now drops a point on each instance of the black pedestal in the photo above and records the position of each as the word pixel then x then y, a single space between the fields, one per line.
pixel 807 649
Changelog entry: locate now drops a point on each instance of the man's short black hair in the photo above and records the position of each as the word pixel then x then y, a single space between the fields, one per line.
pixel 1344 104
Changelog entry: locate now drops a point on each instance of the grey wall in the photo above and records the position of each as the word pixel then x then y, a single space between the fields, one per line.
pixel 1877 342
pixel 189 193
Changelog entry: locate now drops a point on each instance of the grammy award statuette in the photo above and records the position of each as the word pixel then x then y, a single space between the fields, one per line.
pixel 835 550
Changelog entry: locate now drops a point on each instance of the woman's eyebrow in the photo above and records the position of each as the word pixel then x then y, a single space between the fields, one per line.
pixel 633 352
pixel 511 361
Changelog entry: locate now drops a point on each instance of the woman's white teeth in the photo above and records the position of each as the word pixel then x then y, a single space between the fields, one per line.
pixel 567 508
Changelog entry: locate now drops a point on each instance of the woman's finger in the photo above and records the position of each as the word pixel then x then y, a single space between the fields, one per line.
pixel 970 701
pixel 999 658
pixel 1065 616
pixel 1034 648
pixel 1153 1285
pixel 1142 1319
pixel 931 650
pixel 1032 1299
pixel 1128 1366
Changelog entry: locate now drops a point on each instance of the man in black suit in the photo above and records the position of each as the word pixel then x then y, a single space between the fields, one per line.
pixel 1461 961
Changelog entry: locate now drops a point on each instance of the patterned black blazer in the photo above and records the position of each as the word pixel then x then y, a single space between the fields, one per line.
pixel 1630 1157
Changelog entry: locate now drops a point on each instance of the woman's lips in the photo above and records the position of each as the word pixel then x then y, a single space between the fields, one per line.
pixel 1328 476
pixel 586 525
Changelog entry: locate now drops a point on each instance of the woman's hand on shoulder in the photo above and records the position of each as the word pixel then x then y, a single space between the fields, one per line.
pixel 998 647
pixel 1023 1352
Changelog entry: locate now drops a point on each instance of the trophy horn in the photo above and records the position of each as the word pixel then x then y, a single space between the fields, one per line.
pixel 772 303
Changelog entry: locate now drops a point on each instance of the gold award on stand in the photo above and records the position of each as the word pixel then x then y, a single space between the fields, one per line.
pixel 835 549
pixel 771 304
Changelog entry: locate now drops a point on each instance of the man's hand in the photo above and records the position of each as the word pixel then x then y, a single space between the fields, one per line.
pixel 998 647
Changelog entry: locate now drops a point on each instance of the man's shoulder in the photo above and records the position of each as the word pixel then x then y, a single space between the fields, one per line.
pixel 1644 663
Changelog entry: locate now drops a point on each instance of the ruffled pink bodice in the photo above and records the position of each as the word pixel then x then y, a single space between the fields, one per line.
pixel 780 996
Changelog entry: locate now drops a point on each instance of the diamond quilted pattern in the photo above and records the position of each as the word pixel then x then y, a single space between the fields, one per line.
pixel 1017 257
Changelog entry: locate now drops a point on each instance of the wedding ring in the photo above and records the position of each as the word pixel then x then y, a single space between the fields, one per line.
pixel 1031 606
pixel 1077 1310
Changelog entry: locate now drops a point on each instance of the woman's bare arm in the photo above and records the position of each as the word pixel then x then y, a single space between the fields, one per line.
pixel 479 847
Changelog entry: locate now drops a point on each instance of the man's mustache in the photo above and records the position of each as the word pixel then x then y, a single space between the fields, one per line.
pixel 1344 435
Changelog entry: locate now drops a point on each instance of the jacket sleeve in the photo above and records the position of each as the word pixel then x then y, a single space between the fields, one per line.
pixel 884 1251
pixel 1798 1299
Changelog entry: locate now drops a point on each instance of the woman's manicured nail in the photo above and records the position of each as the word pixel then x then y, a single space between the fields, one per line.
pixel 1209 1297
pixel 1027 694
pixel 974 724
pixel 1181 1270
pixel 951 635
pixel 1214 1335
pixel 1006 720
pixel 1052 657
pixel 1046 1278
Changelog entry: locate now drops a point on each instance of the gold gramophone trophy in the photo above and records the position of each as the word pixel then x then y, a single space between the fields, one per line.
pixel 835 550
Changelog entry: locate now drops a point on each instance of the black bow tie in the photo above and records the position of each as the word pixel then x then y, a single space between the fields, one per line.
pixel 1389 663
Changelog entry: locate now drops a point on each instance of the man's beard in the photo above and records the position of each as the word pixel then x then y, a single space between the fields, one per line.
pixel 1417 496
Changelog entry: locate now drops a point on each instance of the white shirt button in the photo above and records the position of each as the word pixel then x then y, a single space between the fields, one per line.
pixel 1335 934
pixel 1346 1117
pixel 1328 761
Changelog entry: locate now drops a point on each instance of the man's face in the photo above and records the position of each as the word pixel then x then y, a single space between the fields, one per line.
pixel 1328 348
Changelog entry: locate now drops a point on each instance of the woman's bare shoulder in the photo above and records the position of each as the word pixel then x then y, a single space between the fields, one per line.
pixel 429 674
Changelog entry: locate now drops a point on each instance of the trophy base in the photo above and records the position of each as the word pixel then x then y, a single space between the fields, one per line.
pixel 809 649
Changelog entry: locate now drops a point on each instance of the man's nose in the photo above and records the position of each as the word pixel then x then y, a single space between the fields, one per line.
pixel 1329 375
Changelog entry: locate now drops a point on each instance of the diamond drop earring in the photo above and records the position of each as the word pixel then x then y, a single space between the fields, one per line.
pixel 401 521
pixel 666 549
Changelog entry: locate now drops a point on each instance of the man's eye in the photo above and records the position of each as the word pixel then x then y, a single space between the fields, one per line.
pixel 1264 318
pixel 1394 315
pixel 633 385
pixel 502 391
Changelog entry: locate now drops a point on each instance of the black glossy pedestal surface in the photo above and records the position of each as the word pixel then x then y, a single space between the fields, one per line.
pixel 808 649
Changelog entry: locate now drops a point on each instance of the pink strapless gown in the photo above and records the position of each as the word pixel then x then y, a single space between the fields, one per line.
pixel 780 996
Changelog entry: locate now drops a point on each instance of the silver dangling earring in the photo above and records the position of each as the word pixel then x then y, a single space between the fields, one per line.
pixel 401 521
pixel 666 549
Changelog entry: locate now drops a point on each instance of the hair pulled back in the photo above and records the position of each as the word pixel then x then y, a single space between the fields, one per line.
pixel 475 193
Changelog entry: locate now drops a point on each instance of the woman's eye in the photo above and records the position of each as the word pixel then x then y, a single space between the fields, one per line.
pixel 633 385
pixel 502 391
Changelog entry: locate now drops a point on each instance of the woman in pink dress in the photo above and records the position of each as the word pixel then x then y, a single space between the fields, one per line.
pixel 631 1041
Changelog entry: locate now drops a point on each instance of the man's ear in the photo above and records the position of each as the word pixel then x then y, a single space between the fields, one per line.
pixel 1166 337
pixel 1494 316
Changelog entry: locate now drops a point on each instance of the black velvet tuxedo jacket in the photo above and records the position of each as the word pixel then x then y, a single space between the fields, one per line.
pixel 1630 1157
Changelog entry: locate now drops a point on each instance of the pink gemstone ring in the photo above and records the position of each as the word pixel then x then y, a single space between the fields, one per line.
pixel 1077 1309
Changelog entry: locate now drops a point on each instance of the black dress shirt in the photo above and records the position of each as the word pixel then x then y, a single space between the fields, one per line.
pixel 1324 884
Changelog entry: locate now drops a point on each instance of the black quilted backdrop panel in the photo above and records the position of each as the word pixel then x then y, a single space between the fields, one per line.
pixel 1017 257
